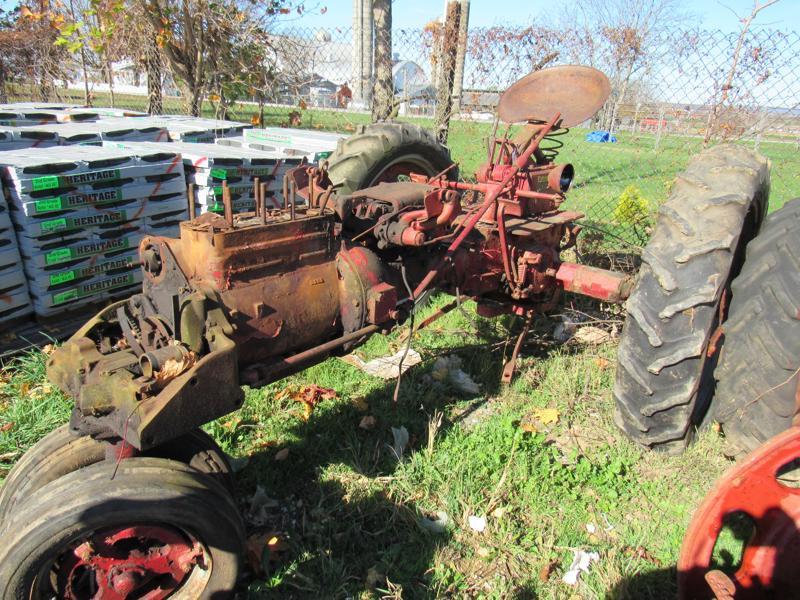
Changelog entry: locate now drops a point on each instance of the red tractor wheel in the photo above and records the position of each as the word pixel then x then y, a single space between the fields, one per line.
pixel 771 555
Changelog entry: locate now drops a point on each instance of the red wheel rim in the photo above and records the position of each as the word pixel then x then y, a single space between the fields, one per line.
pixel 146 562
pixel 771 556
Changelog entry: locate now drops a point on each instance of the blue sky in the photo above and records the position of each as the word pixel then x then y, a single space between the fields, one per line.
pixel 712 14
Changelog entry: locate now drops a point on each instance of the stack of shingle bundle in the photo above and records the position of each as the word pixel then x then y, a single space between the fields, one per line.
pixel 14 299
pixel 79 217
pixel 207 166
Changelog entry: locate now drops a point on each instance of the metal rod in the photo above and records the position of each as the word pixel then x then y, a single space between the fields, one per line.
pixel 262 203
pixel 257 194
pixel 190 196
pixel 490 199
pixel 292 193
pixel 227 203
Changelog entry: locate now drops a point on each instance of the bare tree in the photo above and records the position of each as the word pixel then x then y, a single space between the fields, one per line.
pixel 724 91
pixel 629 39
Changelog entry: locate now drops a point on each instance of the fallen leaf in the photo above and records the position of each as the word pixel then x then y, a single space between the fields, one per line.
pixel 264 551
pixel 360 404
pixel 602 363
pixel 7 427
pixel 642 553
pixel 24 388
pixel 368 423
pixel 538 418
pixel 282 454
pixel 547 570
pixel 310 396
pixel 374 577
pixel 47 349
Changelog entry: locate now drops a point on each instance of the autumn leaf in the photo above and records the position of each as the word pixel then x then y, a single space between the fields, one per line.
pixel 6 427
pixel 310 396
pixel 538 419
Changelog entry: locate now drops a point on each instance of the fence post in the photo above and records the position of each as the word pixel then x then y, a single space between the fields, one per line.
pixel 658 127
pixel 383 91
pixel 447 61
pixel 461 55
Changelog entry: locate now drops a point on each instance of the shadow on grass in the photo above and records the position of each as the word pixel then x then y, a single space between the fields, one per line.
pixel 346 533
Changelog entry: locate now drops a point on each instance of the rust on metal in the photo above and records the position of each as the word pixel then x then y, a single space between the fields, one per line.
pixel 250 298
pixel 575 91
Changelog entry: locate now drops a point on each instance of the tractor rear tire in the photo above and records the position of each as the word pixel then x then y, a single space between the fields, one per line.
pixel 149 528
pixel 757 375
pixel 59 453
pixel 383 152
pixel 663 382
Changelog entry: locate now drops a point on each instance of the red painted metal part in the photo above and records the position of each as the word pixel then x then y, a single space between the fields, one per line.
pixel 492 194
pixel 771 557
pixel 147 562
pixel 596 283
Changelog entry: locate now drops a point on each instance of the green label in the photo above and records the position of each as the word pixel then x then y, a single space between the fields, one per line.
pixel 89 289
pixel 219 173
pixel 56 256
pixel 48 205
pixel 54 225
pixel 48 182
pixel 62 297
pixel 65 254
pixel 62 277
pixel 322 155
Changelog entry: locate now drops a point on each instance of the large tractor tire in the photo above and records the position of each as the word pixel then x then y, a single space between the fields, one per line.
pixel 384 152
pixel 663 382
pixel 757 374
pixel 149 528
pixel 59 453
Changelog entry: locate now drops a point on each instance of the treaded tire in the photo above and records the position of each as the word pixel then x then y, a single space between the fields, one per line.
pixel 143 491
pixel 60 453
pixel 757 374
pixel 662 381
pixel 361 160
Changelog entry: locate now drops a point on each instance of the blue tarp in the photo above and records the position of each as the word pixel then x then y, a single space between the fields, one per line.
pixel 601 137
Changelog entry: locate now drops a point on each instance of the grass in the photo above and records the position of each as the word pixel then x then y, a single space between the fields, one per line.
pixel 354 516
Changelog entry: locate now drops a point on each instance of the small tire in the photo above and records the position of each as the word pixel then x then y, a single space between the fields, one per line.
pixel 85 505
pixel 60 453
pixel 757 375
pixel 382 152
pixel 663 381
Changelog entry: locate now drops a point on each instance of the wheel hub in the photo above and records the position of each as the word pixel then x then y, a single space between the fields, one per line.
pixel 147 562
pixel 771 554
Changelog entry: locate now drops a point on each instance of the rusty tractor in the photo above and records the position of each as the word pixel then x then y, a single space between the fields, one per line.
pixel 132 500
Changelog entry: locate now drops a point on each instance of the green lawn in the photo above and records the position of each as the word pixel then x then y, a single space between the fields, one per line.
pixel 354 516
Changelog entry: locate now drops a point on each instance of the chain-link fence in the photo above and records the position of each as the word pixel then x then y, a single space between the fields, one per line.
pixel 673 91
